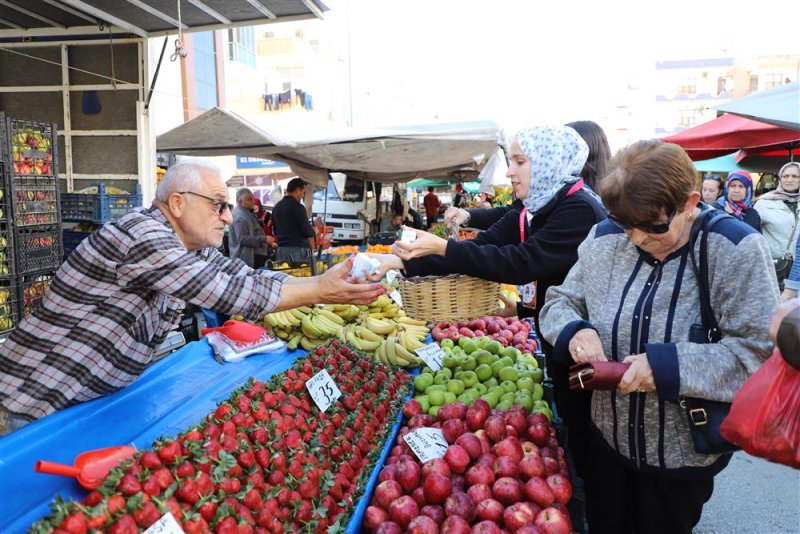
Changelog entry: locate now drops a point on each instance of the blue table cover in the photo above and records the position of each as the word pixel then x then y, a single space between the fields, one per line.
pixel 168 398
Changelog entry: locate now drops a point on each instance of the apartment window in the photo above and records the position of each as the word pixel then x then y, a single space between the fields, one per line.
pixel 269 35
pixel 242 45
pixel 773 80
pixel 753 83
pixel 687 118
pixel 205 69
pixel 688 86
pixel 724 84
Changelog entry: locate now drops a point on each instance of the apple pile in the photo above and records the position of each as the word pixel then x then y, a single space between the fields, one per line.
pixel 507 330
pixel 502 472
pixel 31 152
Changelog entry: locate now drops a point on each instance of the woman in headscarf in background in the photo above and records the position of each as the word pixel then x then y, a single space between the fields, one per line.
pixel 780 216
pixel 737 199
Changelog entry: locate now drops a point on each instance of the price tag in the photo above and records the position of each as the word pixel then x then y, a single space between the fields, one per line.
pixel 395 296
pixel 391 276
pixel 427 443
pixel 408 236
pixel 432 354
pixel 166 525
pixel 323 390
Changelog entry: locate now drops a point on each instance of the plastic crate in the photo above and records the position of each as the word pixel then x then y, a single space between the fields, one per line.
pixel 7 265
pixel 99 208
pixel 30 146
pixel 31 288
pixel 72 239
pixel 38 250
pixel 9 308
pixel 5 210
pixel 34 201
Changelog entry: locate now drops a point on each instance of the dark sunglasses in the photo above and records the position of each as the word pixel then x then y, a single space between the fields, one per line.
pixel 658 228
pixel 221 205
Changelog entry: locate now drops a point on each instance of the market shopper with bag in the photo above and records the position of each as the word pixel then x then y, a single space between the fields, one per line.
pixel 634 297
pixel 780 219
pixel 112 303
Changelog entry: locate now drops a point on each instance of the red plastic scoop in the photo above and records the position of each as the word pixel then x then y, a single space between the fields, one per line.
pixel 90 467
pixel 238 331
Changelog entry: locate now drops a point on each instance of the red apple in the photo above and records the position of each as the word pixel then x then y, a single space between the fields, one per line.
pixel 489 510
pixel 386 492
pixel 529 447
pixel 420 421
pixel 539 434
pixel 509 446
pixel 507 490
pixel 455 525
pixel 477 413
pixel 437 488
pixel 374 516
pixel 387 473
pixel 486 527
pixel 453 410
pixel 437 465
pixel 471 444
pixel 551 466
pixel 409 475
pixel 452 429
pixel 411 408
pixel 479 493
pixel 531 466
pixel 506 466
pixel 457 458
pixel 517 516
pixel 458 482
pixel 529 529
pixel 389 527
pixel 402 510
pixel 419 497
pixel 495 427
pixel 434 511
pixel 538 417
pixel 553 521
pixel 538 491
pixel 487 459
pixel 480 474
pixel 486 444
pixel 460 504
pixel 561 486
pixel 422 525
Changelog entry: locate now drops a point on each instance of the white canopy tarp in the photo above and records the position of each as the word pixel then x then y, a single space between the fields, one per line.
pixel 384 155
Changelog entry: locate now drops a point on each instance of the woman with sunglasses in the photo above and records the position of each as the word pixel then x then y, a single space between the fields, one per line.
pixel 780 219
pixel 737 199
pixel 633 297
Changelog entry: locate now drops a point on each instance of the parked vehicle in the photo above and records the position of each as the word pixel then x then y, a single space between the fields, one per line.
pixel 346 205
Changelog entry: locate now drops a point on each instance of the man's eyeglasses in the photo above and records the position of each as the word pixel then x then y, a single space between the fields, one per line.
pixel 657 228
pixel 221 205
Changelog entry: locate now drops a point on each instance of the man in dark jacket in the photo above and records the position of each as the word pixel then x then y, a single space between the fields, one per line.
pixel 292 228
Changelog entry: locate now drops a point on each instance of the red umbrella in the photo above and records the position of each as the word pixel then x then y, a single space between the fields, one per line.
pixel 729 133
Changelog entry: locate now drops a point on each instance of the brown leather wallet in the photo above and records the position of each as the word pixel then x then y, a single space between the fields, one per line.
pixel 596 375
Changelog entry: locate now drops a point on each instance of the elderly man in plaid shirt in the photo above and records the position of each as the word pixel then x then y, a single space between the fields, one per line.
pixel 122 290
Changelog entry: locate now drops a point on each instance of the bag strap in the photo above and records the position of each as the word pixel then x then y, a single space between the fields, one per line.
pixel 705 221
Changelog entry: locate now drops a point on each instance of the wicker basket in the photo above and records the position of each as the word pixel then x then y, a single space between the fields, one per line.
pixel 454 297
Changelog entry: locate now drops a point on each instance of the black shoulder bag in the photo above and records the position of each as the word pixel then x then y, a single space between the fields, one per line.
pixel 705 416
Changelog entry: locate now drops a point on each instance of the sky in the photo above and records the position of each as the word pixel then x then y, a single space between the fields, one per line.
pixel 517 61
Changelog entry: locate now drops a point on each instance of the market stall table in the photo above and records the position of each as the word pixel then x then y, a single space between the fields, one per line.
pixel 171 395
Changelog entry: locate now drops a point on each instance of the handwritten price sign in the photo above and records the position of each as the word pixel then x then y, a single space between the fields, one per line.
pixel 432 354
pixel 427 443
pixel 166 525
pixel 323 390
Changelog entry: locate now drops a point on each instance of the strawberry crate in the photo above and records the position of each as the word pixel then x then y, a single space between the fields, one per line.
pixel 98 208
pixel 31 289
pixel 9 309
pixel 34 201
pixel 30 146
pixel 38 249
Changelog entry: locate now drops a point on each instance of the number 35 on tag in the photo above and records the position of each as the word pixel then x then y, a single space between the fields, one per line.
pixel 323 390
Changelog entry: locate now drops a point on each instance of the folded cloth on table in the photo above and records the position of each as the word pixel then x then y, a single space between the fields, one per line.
pixel 596 375
pixel 228 350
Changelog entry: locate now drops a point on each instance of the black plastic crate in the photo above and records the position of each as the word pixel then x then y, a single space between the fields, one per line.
pixel 38 249
pixel 29 146
pixel 31 289
pixel 9 307
pixel 34 201
pixel 5 209
pixel 71 240
pixel 98 208
pixel 7 265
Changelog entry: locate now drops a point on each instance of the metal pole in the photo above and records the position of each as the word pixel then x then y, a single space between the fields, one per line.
pixel 155 76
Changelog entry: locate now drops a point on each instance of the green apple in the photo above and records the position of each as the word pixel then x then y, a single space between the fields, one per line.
pixel 508 386
pixel 491 398
pixel 539 404
pixel 484 372
pixel 449 361
pixel 448 373
pixel 469 363
pixel 436 398
pixel 479 388
pixel 525 400
pixel 505 404
pixel 427 370
pixel 434 411
pixel 456 386
pixel 469 378
pixel 538 376
pixel 468 345
pixel 538 391
pixel 491 382
pixel 508 374
pixel 422 381
pixel 497 390
pixel 511 352
pixel 423 402
pixel 449 397
pixel 435 387
pixel 447 342
pixel 525 384
pixel 493 346
pixel 440 379
pixel 482 341
pixel 483 356
pixel 466 398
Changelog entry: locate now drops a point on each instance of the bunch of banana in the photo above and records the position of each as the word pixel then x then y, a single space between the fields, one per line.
pixel 284 322
pixel 361 338
pixel 393 352
pixel 348 312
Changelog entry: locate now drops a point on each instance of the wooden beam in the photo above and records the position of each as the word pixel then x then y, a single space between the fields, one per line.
pixel 29 13
pixel 106 17
pixel 202 7
pixel 157 13
pixel 262 9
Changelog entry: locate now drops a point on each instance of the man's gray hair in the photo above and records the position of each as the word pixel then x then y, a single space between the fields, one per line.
pixel 184 176
pixel 241 193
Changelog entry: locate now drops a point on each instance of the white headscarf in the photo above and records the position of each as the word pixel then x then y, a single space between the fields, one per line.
pixel 557 155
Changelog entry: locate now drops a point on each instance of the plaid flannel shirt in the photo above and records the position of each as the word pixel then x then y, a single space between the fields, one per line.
pixel 111 304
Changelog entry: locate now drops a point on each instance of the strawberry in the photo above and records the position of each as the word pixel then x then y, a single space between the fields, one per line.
pixel 151 486
pixel 147 515
pixel 93 499
pixel 293 439
pixel 204 484
pixel 164 477
pixel 196 525
pixel 262 457
pixel 169 452
pixel 252 499
pixel 149 460
pixel 256 479
pixel 74 523
pixel 193 435
pixel 116 503
pixel 223 411
pixel 247 459
pixel 187 491
pixel 277 478
pixel 212 430
pixel 184 470
pixel 208 509
pixel 287 409
pixel 243 404
pixel 228 427
pixel 227 525
pixel 128 485
pixel 245 528
pixel 97 522
pixel 124 525
pixel 230 486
